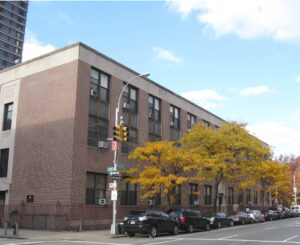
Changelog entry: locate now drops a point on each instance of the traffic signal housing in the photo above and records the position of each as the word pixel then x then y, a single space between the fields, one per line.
pixel 117 133
pixel 125 134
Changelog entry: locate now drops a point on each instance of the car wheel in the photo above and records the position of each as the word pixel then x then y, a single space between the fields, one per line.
pixel 270 218
pixel 130 234
pixel 231 223
pixel 219 225
pixel 153 232
pixel 190 228
pixel 243 222
pixel 207 227
pixel 252 221
pixel 175 230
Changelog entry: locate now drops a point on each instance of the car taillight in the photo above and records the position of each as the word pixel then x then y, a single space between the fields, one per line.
pixel 182 219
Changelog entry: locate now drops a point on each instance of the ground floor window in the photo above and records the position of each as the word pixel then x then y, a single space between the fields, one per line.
pixel 193 197
pixel 207 195
pixel 128 194
pixel 95 187
pixel 230 196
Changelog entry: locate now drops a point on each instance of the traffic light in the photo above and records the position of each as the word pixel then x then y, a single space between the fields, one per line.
pixel 117 133
pixel 125 134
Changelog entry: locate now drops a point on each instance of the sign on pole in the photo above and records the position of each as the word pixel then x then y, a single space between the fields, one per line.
pixel 114 145
pixel 112 185
pixel 114 195
pixel 112 169
pixel 116 177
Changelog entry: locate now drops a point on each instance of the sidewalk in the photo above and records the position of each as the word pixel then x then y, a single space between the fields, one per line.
pixel 59 235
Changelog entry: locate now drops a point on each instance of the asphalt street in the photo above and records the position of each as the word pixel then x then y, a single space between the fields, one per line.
pixel 285 231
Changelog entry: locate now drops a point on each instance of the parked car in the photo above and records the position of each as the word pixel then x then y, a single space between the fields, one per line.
pixel 220 220
pixel 270 214
pixel 295 210
pixel 256 215
pixel 279 211
pixel 241 218
pixel 149 222
pixel 286 212
pixel 190 220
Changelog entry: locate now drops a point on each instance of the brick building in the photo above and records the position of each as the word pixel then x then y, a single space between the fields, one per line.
pixel 56 113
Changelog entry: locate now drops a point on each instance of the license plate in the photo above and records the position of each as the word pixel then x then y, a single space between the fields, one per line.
pixel 132 222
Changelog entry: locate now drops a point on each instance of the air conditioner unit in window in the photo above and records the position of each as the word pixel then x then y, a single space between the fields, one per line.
pixel 150 115
pixel 172 123
pixel 94 93
pixel 196 203
pixel 102 201
pixel 151 202
pixel 125 105
pixel 103 144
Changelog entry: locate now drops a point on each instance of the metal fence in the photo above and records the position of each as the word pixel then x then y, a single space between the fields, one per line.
pixel 59 217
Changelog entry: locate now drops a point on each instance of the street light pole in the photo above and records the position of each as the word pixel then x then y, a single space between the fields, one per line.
pixel 295 187
pixel 114 218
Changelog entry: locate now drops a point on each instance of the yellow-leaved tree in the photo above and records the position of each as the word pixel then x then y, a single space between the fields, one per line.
pixel 161 167
pixel 223 154
pixel 274 177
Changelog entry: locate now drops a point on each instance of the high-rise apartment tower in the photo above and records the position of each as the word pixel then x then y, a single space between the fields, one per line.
pixel 12 30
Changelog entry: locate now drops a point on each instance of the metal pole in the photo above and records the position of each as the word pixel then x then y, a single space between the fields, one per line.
pixel 114 218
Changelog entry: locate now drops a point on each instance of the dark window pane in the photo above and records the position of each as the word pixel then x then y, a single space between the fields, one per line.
pixel 4 162
pixel 7 117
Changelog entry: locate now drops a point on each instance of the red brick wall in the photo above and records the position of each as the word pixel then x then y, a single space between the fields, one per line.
pixel 44 136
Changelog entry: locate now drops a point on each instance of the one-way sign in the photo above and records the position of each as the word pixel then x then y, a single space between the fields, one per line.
pixel 114 173
pixel 116 177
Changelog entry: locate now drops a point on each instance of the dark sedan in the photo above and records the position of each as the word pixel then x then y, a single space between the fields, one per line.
pixel 270 214
pixel 149 222
pixel 241 218
pixel 190 220
pixel 220 220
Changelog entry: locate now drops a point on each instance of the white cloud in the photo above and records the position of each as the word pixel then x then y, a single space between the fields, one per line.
pixel 247 19
pixel 167 55
pixel 65 18
pixel 282 138
pixel 298 79
pixel 34 48
pixel 206 98
pixel 250 91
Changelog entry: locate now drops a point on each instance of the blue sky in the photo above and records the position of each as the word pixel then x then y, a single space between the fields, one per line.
pixel 237 59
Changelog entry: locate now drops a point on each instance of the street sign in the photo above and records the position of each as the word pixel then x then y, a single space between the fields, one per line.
pixel 112 185
pixel 116 177
pixel 114 195
pixel 114 173
pixel 111 169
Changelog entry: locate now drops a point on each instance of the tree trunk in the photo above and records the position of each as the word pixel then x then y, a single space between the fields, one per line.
pixel 216 195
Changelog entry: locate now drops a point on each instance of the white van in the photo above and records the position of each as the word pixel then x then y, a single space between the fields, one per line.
pixel 295 210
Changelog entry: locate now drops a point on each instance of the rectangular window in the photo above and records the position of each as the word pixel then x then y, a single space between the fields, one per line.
pixel 3 162
pixel 262 195
pixel 193 197
pixel 177 195
pixel 154 123
pixel 157 199
pixel 7 117
pixel 191 120
pixel 248 196
pixel 230 196
pixel 255 197
pixel 241 197
pixel 128 194
pixel 268 197
pixel 95 188
pixel 98 108
pixel 208 195
pixel 174 123
pixel 130 111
